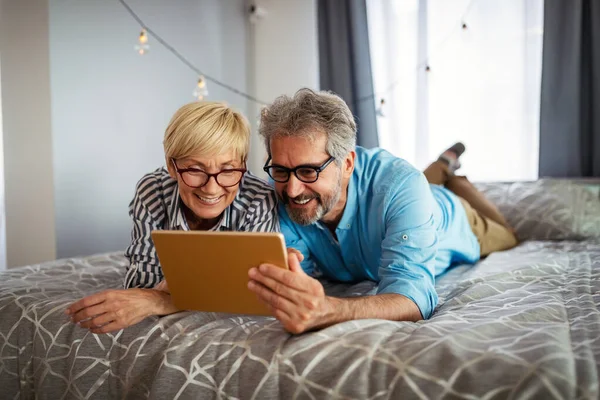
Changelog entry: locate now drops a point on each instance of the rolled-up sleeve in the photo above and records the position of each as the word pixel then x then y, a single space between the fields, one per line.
pixel 409 245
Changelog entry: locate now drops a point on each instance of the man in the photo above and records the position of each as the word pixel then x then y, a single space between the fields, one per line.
pixel 356 214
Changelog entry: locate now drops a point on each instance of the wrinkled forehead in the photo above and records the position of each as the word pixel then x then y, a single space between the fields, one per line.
pixel 298 149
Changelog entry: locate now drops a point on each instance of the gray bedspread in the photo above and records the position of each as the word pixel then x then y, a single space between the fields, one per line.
pixel 521 324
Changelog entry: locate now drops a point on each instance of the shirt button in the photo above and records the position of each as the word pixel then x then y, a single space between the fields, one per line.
pixel 348 226
pixel 405 237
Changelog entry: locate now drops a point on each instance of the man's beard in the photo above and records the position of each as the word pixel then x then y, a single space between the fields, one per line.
pixel 325 204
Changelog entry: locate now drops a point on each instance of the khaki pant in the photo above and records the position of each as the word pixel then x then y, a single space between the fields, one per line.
pixel 487 223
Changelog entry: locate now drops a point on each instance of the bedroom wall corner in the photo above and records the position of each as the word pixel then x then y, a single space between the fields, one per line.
pixel 27 133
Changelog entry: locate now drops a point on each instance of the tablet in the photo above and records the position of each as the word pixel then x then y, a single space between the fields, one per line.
pixel 208 271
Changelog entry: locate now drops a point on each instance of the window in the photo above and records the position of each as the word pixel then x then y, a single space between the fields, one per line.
pixel 459 70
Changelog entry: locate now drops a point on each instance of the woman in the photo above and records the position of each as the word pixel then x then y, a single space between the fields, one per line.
pixel 204 187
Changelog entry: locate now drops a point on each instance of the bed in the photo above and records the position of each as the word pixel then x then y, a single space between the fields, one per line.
pixel 524 323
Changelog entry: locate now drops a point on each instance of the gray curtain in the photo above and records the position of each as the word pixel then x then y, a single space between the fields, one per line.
pixel 570 103
pixel 345 61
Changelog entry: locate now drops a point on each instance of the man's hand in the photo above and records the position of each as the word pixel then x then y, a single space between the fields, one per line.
pixel 113 310
pixel 162 286
pixel 299 302
pixel 295 299
pixel 298 253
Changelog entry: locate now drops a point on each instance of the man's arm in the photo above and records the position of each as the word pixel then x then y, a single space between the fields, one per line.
pixel 298 301
pixel 407 268
pixel 393 307
pixel 410 243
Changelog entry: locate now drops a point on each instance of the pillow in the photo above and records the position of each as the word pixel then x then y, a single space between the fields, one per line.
pixel 547 209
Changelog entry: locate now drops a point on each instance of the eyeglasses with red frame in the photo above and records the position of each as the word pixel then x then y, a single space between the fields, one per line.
pixel 196 178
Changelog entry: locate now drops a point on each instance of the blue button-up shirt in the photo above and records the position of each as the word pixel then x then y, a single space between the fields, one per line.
pixel 396 229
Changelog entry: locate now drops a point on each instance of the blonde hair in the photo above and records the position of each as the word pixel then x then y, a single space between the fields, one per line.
pixel 207 128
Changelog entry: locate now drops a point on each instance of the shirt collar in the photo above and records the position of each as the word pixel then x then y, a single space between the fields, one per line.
pixel 351 208
pixel 178 222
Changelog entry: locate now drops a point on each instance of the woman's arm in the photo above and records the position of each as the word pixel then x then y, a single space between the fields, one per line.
pixel 112 310
pixel 148 212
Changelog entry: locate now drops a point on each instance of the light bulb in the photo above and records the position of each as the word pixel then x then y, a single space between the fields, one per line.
pixel 200 91
pixel 379 110
pixel 143 37
pixel 142 46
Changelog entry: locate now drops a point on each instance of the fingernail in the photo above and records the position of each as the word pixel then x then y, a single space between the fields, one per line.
pixel 250 284
pixel 67 311
pixel 252 272
pixel 262 268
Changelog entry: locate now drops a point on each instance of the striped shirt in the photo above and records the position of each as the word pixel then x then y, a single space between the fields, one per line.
pixel 157 206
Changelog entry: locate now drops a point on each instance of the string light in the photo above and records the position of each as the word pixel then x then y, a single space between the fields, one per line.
pixel 184 60
pixel 256 13
pixel 461 23
pixel 142 46
pixel 201 91
pixel 379 110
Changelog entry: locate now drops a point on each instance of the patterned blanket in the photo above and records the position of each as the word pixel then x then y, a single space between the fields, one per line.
pixel 522 323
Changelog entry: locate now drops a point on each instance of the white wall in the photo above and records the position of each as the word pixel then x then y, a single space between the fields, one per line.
pixel 284 56
pixel 111 105
pixel 27 136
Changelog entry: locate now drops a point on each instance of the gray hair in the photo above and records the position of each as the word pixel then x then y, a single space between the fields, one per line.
pixel 308 111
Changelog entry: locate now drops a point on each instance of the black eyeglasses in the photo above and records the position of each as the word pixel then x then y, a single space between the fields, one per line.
pixel 305 173
pixel 196 178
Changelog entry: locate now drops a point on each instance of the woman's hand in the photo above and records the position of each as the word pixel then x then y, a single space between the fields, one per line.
pixel 113 310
